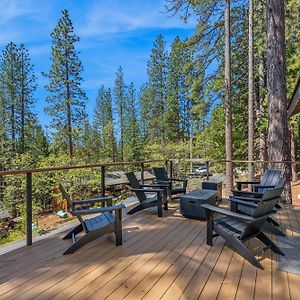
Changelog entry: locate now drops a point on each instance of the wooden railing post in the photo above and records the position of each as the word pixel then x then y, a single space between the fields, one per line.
pixel 102 181
pixel 207 170
pixel 142 173
pixel 29 209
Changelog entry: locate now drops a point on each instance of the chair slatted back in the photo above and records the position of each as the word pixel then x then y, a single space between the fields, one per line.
pixel 160 174
pixel 264 207
pixel 281 182
pixel 67 197
pixel 136 185
pixel 270 177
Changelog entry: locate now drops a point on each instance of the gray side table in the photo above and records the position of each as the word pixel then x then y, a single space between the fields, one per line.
pixel 191 203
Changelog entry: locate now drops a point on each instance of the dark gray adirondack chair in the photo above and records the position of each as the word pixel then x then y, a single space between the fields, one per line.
pixel 162 178
pixel 104 222
pixel 142 189
pixel 244 195
pixel 247 206
pixel 237 228
pixel 255 197
pixel 268 180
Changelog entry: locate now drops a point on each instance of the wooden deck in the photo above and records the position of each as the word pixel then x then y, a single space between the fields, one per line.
pixel 160 259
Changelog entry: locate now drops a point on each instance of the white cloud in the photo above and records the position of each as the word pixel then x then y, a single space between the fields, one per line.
pixel 10 9
pixel 110 17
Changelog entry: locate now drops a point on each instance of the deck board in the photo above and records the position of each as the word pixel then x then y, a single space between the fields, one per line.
pixel 163 258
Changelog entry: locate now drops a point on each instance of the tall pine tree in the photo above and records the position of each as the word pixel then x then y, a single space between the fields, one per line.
pixel 120 102
pixel 67 100
pixel 104 126
pixel 157 84
pixel 27 85
pixel 132 136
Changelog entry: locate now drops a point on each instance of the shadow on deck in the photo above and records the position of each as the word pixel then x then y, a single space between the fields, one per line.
pixel 160 259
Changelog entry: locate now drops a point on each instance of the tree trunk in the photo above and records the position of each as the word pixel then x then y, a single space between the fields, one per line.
pixel 69 115
pixel 263 154
pixel 122 132
pixel 13 125
pixel 228 112
pixel 279 147
pixel 250 94
pixel 293 156
pixel 22 107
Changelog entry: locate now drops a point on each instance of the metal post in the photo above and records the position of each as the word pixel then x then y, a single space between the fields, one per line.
pixel 102 181
pixel 167 167
pixel 207 170
pixel 171 169
pixel 29 209
pixel 142 173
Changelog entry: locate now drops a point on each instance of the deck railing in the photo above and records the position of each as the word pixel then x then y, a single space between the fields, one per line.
pixel 167 162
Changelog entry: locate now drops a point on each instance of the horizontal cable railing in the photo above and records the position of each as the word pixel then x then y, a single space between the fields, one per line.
pixel 103 166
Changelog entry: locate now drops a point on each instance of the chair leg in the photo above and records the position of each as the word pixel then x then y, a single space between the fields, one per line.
pixel 262 237
pixel 272 221
pixel 80 242
pixel 268 227
pixel 74 231
pixel 118 227
pixel 159 209
pixel 239 247
pixel 136 209
pixel 159 205
pixel 209 228
pixel 166 205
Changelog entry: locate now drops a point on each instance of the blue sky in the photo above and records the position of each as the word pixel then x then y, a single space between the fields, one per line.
pixel 112 33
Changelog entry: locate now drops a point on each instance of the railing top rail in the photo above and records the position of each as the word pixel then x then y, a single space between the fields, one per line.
pixel 65 168
pixel 234 161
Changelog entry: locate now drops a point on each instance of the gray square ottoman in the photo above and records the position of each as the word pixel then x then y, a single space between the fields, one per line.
pixel 190 203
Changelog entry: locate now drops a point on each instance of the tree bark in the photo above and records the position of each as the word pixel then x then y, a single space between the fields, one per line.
pixel 263 154
pixel 279 148
pixel 293 156
pixel 22 106
pixel 250 94
pixel 228 110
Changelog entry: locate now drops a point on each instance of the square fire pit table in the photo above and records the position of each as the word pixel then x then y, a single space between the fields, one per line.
pixel 191 203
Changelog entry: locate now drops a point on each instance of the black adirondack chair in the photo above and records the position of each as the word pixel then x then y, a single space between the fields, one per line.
pixel 247 207
pixel 255 197
pixel 245 195
pixel 237 228
pixel 142 189
pixel 162 178
pixel 268 181
pixel 104 222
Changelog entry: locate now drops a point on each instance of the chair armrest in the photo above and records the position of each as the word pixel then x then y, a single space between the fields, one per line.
pixel 97 210
pixel 168 182
pixel 238 201
pixel 248 182
pixel 155 185
pixel 226 212
pixel 92 200
pixel 148 190
pixel 254 200
pixel 264 186
pixel 242 193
